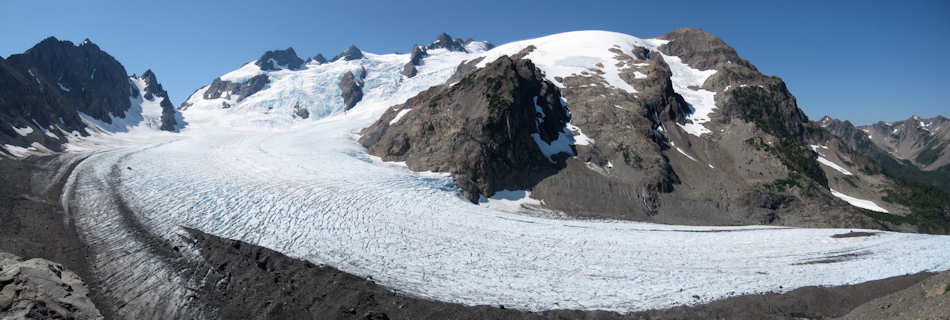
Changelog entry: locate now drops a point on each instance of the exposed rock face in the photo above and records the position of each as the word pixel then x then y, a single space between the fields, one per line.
pixel 871 153
pixel 94 81
pixel 153 89
pixel 415 59
pixel 279 59
pixel 41 289
pixel 318 58
pixel 445 41
pixel 219 88
pixel 300 111
pixel 43 90
pixel 479 129
pixel 351 53
pixel 754 166
pixel 352 87
pixel 924 142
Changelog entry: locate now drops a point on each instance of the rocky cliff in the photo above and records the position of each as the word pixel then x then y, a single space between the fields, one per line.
pixel 677 129
pixel 46 91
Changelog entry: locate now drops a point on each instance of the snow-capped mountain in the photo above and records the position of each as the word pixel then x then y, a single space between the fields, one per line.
pixel 657 128
pixel 58 92
pixel 279 94
pixel 309 158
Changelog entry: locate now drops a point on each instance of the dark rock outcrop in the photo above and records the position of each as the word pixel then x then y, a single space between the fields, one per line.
pixel 318 58
pixel 351 86
pixel 280 59
pixel 479 129
pixel 415 59
pixel 153 89
pixel 300 111
pixel 351 53
pixel 445 41
pixel 46 87
pixel 220 88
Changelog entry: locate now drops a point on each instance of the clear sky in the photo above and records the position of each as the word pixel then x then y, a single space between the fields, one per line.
pixel 862 61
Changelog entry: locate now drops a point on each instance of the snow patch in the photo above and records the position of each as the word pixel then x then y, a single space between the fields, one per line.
pixel 509 201
pixel 860 203
pixel 22 131
pixel 399 116
pixel 571 53
pixel 833 165
pixel 688 83
pixel 685 154
pixel 62 87
pixel 580 138
pixel 827 162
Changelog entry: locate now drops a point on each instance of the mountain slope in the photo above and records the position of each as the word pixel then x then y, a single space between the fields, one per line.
pixel 256 97
pixel 57 91
pixel 677 129
pixel 922 141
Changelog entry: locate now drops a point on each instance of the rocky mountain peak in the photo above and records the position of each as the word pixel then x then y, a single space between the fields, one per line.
pixel 445 41
pixel 351 53
pixel 149 77
pixel 700 49
pixel 319 58
pixel 152 87
pixel 90 79
pixel 487 130
pixel 280 59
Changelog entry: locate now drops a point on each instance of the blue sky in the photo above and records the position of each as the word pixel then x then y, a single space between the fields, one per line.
pixel 862 61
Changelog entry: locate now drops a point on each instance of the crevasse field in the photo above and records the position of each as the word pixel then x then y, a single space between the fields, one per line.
pixel 307 189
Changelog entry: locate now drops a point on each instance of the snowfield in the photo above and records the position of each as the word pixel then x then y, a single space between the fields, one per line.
pixel 307 189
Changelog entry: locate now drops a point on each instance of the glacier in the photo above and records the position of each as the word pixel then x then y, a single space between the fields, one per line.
pixel 306 188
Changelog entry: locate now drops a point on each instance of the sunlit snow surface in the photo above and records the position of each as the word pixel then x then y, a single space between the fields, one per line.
pixel 310 191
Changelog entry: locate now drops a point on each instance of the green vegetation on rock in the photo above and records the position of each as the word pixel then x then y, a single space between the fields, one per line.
pixel 757 107
pixel 932 152
pixel 930 207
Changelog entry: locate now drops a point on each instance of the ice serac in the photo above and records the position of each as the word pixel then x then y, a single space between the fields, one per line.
pixel 351 88
pixel 280 59
pixel 482 130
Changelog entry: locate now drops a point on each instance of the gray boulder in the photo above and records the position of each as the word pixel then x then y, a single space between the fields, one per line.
pixel 42 289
